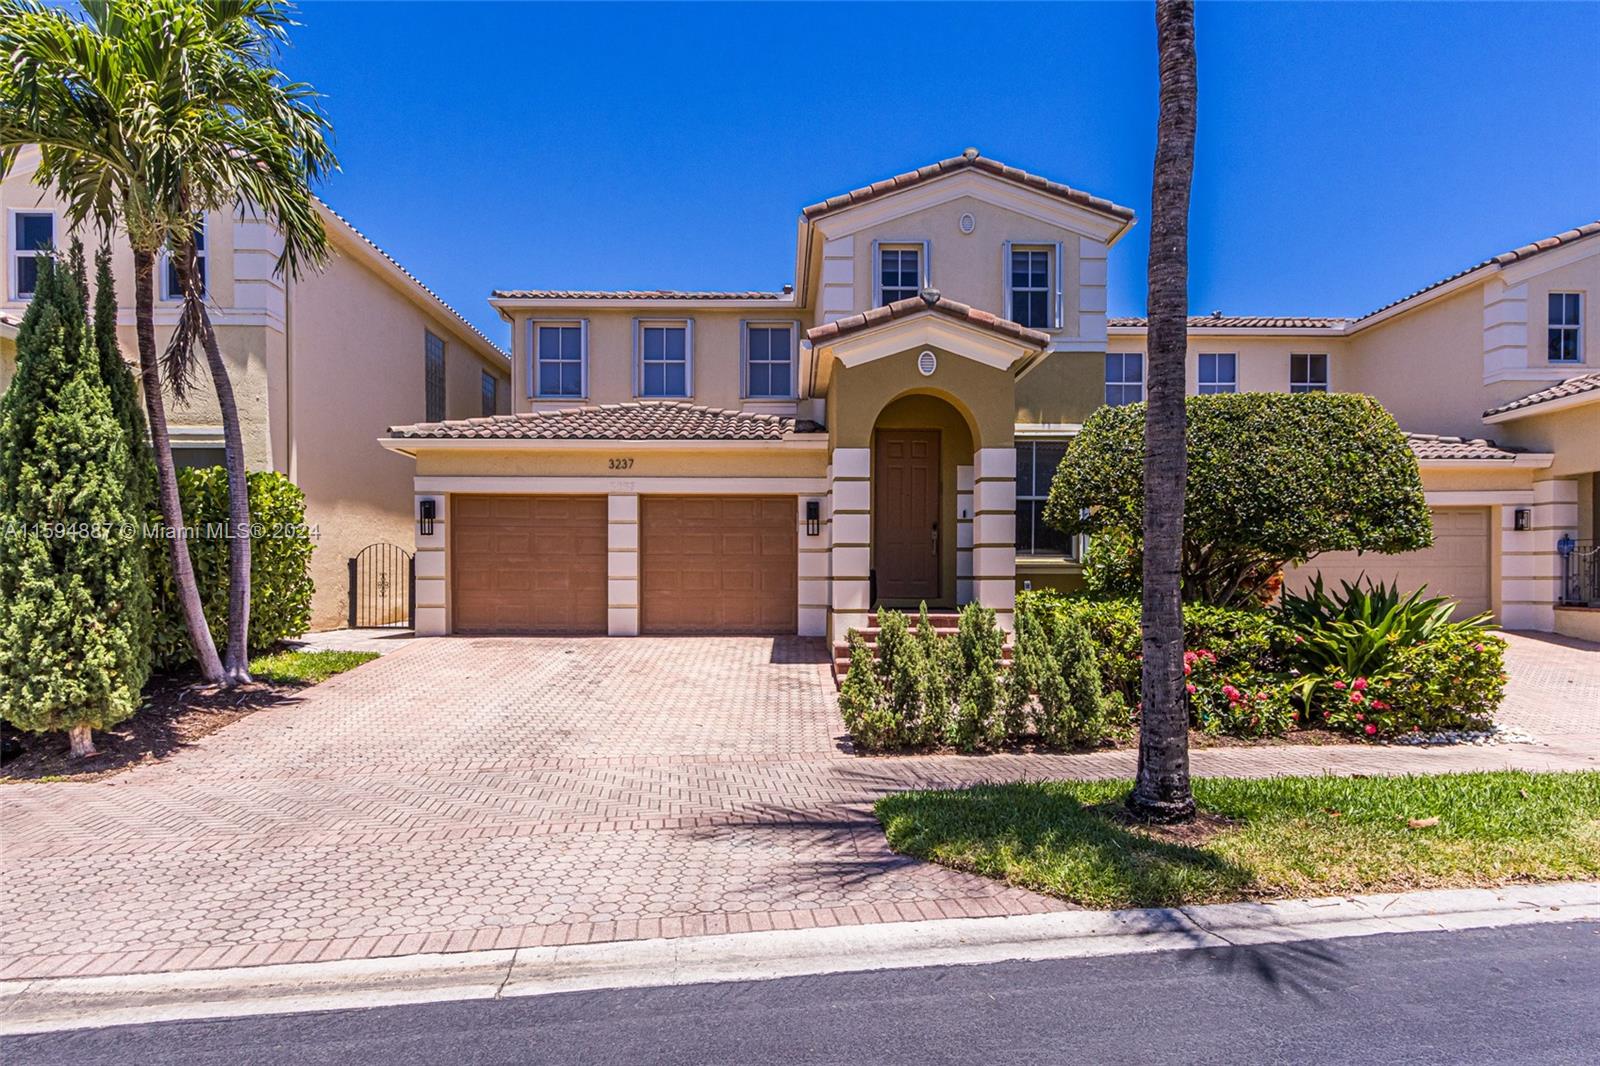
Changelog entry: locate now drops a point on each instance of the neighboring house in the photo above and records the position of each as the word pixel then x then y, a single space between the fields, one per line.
pixel 8 349
pixel 886 429
pixel 320 367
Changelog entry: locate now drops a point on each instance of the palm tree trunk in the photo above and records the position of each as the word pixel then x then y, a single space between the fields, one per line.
pixel 236 661
pixel 1161 790
pixel 194 617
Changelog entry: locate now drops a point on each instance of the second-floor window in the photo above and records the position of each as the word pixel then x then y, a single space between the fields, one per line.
pixel 899 272
pixel 33 234
pixel 558 359
pixel 1032 295
pixel 491 394
pixel 170 288
pixel 1218 373
pixel 1124 378
pixel 433 378
pixel 1036 470
pixel 664 359
pixel 769 360
pixel 1308 373
pixel 1566 327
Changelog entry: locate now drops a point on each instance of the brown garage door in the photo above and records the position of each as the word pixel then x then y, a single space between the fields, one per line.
pixel 717 564
pixel 528 564
pixel 1456 566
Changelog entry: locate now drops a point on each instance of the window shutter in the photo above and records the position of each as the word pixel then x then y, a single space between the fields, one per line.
pixel 532 326
pixel 1006 309
pixel 744 359
pixel 688 357
pixel 927 264
pixel 583 356
pixel 1059 268
pixel 638 360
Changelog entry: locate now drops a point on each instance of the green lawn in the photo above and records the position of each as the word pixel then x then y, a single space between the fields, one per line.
pixel 305 667
pixel 1284 837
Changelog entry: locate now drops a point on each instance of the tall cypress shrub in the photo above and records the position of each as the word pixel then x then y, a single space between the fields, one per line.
pixel 70 585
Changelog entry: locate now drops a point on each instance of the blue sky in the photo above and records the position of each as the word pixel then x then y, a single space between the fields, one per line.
pixel 1348 153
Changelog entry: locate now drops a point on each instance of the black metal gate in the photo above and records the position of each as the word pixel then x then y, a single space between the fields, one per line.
pixel 383 588
pixel 1580 573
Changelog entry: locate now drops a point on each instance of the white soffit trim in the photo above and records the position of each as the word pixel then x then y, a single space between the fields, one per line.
pixel 1037 430
pixel 923 329
pixel 1524 460
pixel 989 189
pixel 508 303
pixel 633 486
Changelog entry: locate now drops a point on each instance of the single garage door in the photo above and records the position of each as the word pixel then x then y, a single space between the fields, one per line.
pixel 1457 565
pixel 718 564
pixel 528 564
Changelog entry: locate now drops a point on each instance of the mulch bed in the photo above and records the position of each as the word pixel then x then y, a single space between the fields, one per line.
pixel 177 711
pixel 1198 830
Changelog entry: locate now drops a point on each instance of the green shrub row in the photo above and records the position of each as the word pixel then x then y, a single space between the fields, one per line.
pixel 280 557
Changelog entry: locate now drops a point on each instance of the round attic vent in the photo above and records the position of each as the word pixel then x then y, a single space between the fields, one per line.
pixel 927 363
pixel 968 222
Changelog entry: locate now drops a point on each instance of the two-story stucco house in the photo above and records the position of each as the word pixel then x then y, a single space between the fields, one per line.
pixel 320 366
pixel 885 430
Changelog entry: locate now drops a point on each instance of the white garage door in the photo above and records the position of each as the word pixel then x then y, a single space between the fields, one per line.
pixel 1456 566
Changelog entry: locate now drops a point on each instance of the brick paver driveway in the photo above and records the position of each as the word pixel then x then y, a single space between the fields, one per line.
pixel 472 793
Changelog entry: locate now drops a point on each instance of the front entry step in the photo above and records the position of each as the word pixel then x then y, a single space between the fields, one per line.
pixel 945 624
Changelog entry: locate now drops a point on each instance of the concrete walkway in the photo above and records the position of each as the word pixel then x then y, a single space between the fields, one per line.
pixel 475 794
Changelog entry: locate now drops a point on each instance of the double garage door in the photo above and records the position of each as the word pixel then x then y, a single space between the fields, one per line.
pixel 707 564
pixel 1457 565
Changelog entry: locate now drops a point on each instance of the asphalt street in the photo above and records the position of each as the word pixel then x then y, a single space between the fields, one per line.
pixel 1527 994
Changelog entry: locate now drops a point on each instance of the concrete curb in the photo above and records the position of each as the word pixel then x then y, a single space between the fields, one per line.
pixel 92 1002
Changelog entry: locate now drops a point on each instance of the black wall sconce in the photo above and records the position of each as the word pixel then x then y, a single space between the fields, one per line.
pixel 813 517
pixel 1522 519
pixel 428 510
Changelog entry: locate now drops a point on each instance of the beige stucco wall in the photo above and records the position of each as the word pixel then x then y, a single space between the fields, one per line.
pixel 969 267
pixel 1573 435
pixel 706 462
pixel 1065 387
pixel 715 367
pixel 985 395
pixel 356 367
pixel 1581 276
pixel 8 362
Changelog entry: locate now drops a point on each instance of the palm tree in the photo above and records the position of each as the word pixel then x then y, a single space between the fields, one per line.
pixel 148 114
pixel 1161 790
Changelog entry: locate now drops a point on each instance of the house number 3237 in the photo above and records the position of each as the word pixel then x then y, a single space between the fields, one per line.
pixel 625 463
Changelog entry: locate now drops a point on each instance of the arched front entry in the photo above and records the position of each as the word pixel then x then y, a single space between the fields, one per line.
pixel 922 454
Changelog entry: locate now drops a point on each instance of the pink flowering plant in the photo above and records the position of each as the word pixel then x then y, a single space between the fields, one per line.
pixel 1237 701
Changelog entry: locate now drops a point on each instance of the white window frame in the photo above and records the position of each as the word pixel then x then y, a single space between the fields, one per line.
pixel 1310 384
pixel 164 262
pixel 1575 328
pixel 745 327
pixel 1218 386
pixel 639 326
pixel 1053 285
pixel 428 336
pixel 1074 553
pixel 1106 396
pixel 924 250
pixel 534 325
pixel 15 255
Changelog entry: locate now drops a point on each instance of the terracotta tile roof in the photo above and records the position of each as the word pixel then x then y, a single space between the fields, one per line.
pixel 970 159
pixel 457 315
pixel 633 294
pixel 1571 387
pixel 1433 446
pixel 1526 251
pixel 641 420
pixel 1240 322
pixel 929 300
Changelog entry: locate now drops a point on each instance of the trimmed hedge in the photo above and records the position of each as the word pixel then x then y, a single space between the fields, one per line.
pixel 280 557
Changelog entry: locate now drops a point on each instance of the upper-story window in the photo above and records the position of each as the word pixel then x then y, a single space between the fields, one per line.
pixel 901 271
pixel 1566 327
pixel 1124 378
pixel 1308 373
pixel 663 359
pixel 491 394
pixel 1030 276
pixel 558 358
pixel 1219 372
pixel 1036 470
pixel 33 234
pixel 769 360
pixel 170 287
pixel 433 377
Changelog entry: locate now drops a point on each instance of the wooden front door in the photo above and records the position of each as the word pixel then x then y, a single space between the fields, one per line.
pixel 905 514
